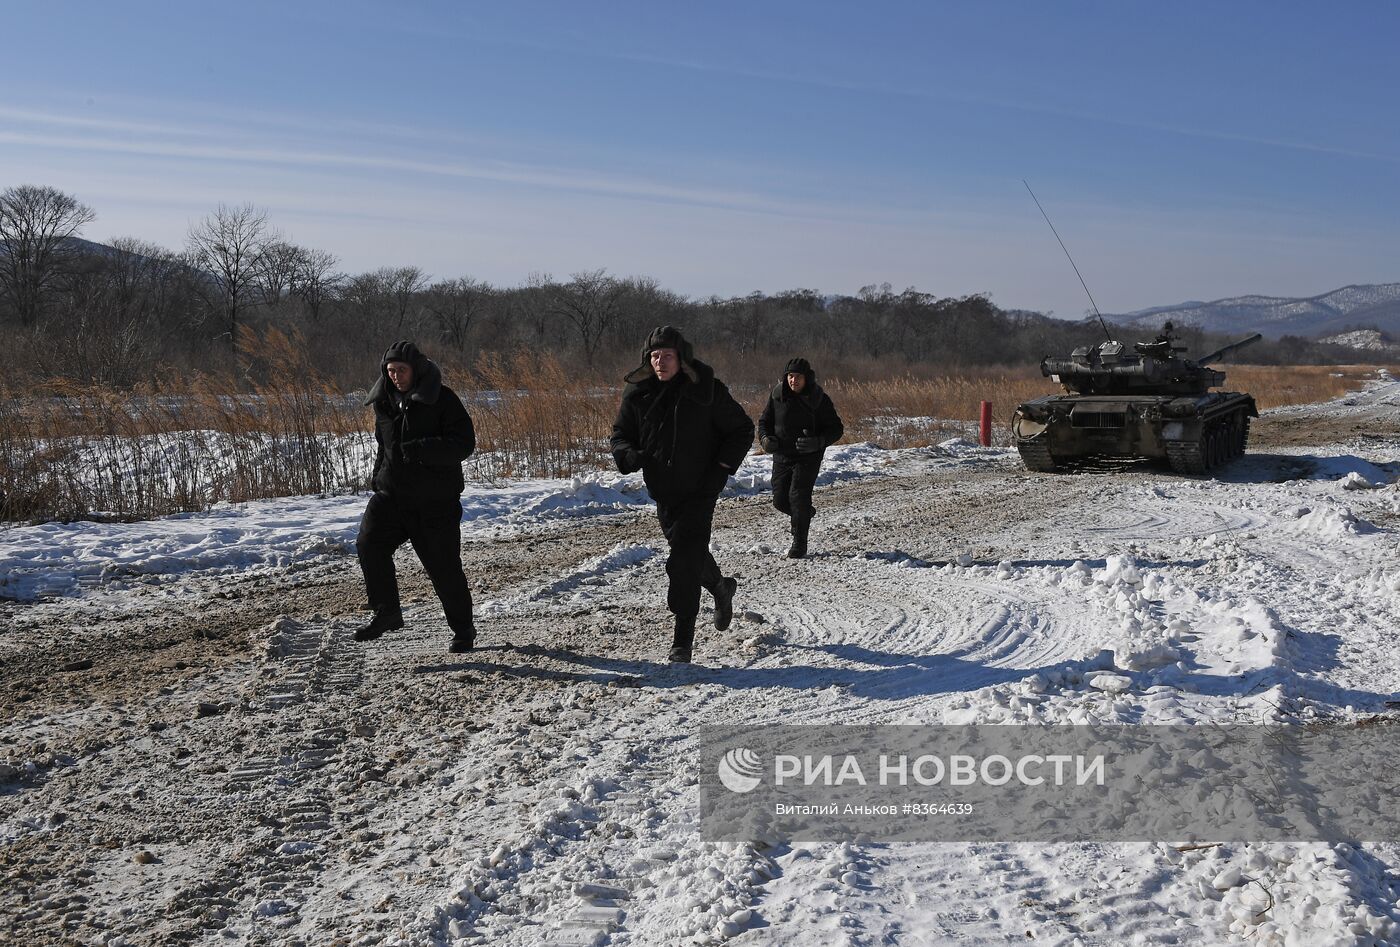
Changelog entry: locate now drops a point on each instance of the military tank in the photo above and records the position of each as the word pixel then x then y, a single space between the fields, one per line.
pixel 1149 402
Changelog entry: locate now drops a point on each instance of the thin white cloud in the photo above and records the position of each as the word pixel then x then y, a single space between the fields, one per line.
pixel 631 187
pixel 565 180
pixel 214 120
pixel 31 116
pixel 879 88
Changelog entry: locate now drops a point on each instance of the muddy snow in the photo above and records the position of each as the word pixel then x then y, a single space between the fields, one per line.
pixel 194 751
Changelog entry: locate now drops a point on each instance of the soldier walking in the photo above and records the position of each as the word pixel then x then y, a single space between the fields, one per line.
pixel 798 425
pixel 682 428
pixel 424 433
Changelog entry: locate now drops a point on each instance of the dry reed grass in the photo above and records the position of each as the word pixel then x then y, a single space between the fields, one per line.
pixel 915 412
pixel 536 419
pixel 69 452
pixel 1275 385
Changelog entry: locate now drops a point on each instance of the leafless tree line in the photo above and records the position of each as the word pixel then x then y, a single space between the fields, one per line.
pixel 128 311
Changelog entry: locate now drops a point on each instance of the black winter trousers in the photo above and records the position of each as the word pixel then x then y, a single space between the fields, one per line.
pixel 686 521
pixel 793 479
pixel 432 526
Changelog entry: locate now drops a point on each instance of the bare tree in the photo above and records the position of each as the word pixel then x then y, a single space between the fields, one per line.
pixel 115 312
pixel 384 297
pixel 36 227
pixel 315 280
pixel 642 305
pixel 146 276
pixel 455 305
pixel 873 322
pixel 749 318
pixel 402 284
pixel 90 334
pixel 530 306
pixel 589 301
pixel 133 265
pixel 277 270
pixel 228 245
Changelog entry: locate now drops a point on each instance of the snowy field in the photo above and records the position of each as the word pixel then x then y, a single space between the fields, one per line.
pixel 193 751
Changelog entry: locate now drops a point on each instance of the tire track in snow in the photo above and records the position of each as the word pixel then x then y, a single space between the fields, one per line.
pixel 1156 510
pixel 942 894
pixel 279 872
pixel 574 873
pixel 911 636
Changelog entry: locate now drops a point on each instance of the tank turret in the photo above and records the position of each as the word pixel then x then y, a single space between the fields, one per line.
pixel 1153 368
pixel 1147 401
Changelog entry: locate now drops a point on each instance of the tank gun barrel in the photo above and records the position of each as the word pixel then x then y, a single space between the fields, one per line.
pixel 1227 349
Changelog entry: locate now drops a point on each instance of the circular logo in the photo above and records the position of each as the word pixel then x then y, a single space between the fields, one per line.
pixel 740 770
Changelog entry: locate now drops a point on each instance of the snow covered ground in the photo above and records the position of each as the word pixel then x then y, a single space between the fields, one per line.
pixel 194 751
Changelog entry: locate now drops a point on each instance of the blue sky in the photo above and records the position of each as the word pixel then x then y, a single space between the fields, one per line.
pixel 1184 150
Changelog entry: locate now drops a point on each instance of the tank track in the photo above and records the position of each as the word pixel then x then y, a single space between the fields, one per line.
pixel 1223 440
pixel 1036 456
pixel 1186 457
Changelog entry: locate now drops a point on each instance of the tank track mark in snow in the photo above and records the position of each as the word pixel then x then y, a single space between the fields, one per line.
pixel 985 631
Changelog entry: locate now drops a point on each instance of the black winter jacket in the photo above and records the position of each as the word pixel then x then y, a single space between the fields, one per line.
pixel 789 415
pixel 680 432
pixel 424 434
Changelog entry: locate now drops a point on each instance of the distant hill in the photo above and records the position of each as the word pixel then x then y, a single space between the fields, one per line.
pixel 90 247
pixel 1368 340
pixel 81 247
pixel 1374 306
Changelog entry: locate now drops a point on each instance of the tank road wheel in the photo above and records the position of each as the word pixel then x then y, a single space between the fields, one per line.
pixel 1225 439
pixel 1036 456
pixel 1224 442
pixel 1210 447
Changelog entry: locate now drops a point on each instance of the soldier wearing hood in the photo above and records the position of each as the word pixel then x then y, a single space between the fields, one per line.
pixel 682 428
pixel 424 433
pixel 797 426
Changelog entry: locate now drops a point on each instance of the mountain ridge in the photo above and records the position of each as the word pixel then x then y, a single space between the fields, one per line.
pixel 1356 305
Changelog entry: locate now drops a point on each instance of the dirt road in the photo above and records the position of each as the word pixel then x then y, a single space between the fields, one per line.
pixel 215 761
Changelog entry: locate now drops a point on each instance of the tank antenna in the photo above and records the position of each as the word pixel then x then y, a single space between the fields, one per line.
pixel 1071 262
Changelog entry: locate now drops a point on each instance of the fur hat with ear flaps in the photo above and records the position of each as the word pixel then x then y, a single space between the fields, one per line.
pixel 800 366
pixel 427 377
pixel 665 337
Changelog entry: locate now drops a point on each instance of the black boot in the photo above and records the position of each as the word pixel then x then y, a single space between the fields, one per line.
pixel 798 549
pixel 683 640
pixel 463 639
pixel 724 602
pixel 385 619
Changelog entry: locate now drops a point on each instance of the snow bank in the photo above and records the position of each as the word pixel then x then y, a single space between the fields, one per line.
pixel 1326 522
pixel 1352 472
pixel 595 495
pixel 64 559
pixel 56 560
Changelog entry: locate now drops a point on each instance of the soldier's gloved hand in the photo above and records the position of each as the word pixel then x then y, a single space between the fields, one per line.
pixel 632 460
pixel 771 444
pixel 809 444
pixel 409 449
